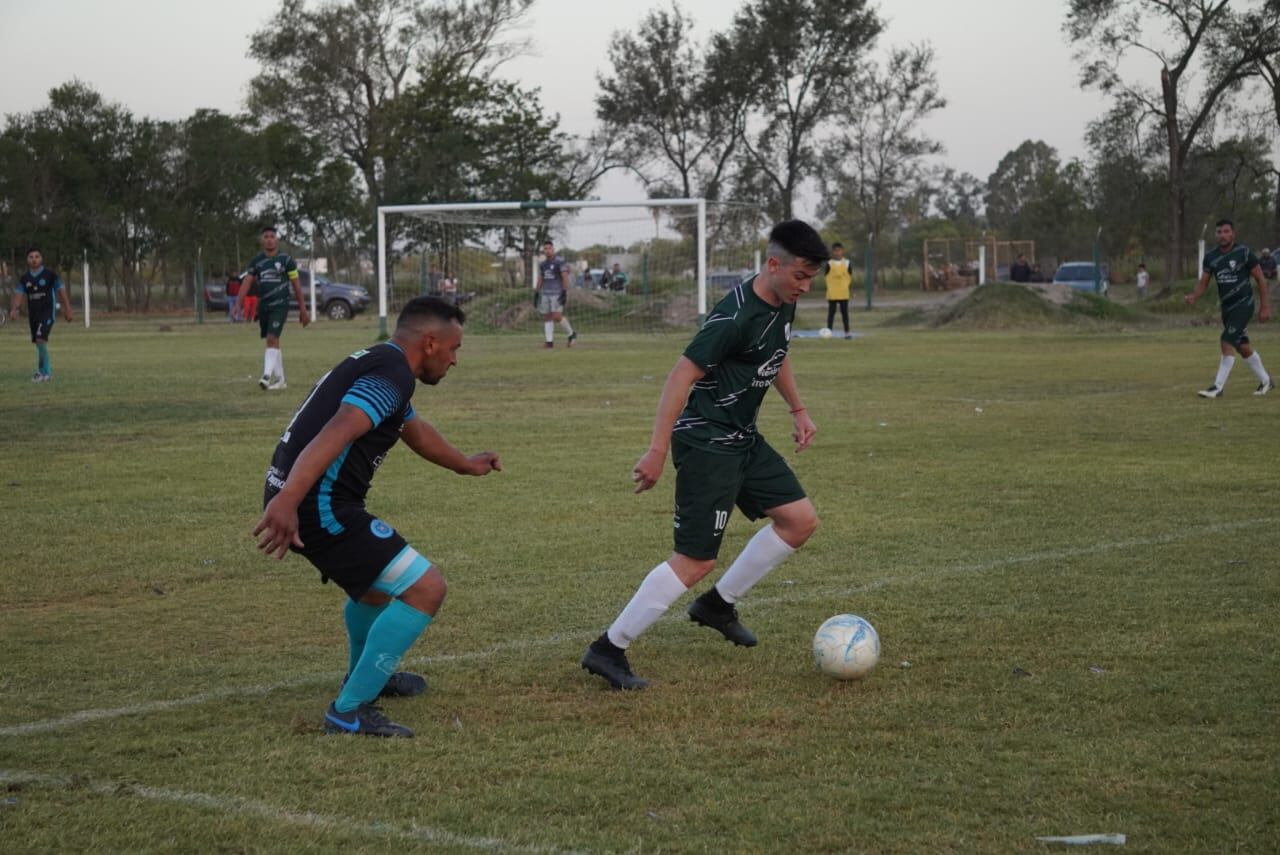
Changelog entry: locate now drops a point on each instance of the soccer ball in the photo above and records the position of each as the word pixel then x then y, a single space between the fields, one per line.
pixel 825 332
pixel 846 647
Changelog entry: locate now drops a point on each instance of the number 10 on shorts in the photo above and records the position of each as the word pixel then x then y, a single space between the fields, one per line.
pixel 722 520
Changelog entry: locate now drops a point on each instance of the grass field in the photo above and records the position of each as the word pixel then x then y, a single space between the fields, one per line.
pixel 1056 502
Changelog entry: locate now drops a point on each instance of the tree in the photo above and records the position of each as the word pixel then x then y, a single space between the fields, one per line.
pixel 1173 33
pixel 794 56
pixel 678 118
pixel 1033 195
pixel 337 70
pixel 878 155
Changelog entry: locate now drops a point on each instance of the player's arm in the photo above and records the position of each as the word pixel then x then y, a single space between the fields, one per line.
pixel 1264 299
pixel 15 304
pixel 246 285
pixel 786 386
pixel 1201 286
pixel 429 444
pixel 675 394
pixel 278 526
pixel 296 283
pixel 64 300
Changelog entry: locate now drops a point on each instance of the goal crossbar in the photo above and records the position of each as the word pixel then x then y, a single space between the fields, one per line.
pixel 700 205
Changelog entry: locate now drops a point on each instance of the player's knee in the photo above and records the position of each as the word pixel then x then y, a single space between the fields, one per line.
pixel 428 593
pixel 798 525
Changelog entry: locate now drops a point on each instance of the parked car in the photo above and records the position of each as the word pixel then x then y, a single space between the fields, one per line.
pixel 727 280
pixel 335 300
pixel 1080 276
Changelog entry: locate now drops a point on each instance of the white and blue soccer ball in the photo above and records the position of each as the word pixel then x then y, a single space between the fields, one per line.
pixel 846 647
pixel 825 332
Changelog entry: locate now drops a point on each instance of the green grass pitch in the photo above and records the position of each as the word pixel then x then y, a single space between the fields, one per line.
pixel 1055 502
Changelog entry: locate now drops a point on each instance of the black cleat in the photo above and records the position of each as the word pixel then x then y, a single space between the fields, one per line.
pixel 1211 392
pixel 401 684
pixel 1264 388
pixel 573 336
pixel 605 659
pixel 548 345
pixel 364 720
pixel 712 611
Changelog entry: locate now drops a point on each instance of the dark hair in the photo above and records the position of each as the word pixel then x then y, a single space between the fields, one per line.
pixel 33 248
pixel 1225 222
pixel 798 238
pixel 430 307
pixel 1142 267
pixel 548 241
pixel 268 228
pixel 837 244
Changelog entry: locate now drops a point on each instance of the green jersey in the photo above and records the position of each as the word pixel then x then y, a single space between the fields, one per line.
pixel 741 347
pixel 1231 270
pixel 273 275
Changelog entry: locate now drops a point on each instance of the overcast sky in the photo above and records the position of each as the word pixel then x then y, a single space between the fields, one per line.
pixel 1004 65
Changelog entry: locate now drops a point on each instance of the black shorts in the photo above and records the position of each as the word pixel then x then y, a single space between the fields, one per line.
pixel 348 544
pixel 1235 324
pixel 709 484
pixel 40 328
pixel 271 320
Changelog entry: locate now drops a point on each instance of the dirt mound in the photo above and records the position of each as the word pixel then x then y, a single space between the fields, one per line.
pixel 1002 305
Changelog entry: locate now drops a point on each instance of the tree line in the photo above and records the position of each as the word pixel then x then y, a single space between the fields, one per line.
pixel 363 102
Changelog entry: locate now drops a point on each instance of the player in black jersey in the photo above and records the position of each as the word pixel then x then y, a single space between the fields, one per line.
pixel 706 420
pixel 314 503
pixel 42 289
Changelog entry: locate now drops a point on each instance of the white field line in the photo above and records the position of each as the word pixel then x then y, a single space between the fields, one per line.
pixel 238 691
pixel 241 807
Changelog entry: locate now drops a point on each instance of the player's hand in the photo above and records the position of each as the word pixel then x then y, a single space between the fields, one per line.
pixel 483 463
pixel 648 469
pixel 1264 314
pixel 67 315
pixel 804 432
pixel 277 530
pixel 304 317
pixel 1190 299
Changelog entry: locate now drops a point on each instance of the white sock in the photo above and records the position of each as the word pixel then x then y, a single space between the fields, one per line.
pixel 1224 371
pixel 656 593
pixel 564 325
pixel 280 364
pixel 1255 364
pixel 761 554
pixel 549 328
pixel 267 362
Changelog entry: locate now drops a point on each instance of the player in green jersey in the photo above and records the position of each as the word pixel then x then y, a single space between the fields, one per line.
pixel 707 419
pixel 274 273
pixel 1236 270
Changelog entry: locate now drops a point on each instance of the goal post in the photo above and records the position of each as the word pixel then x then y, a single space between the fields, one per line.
pixel 485 254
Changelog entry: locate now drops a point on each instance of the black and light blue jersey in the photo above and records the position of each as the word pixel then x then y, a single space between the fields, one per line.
pixel 41 288
pixel 378 381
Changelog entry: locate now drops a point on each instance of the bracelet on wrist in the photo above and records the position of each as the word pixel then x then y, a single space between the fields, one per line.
pixel 798 410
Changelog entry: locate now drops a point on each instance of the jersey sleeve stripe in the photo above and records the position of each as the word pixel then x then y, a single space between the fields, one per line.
pixel 370 410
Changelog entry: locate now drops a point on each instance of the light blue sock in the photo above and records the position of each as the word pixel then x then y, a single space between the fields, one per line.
pixel 359 617
pixel 392 633
pixel 42 358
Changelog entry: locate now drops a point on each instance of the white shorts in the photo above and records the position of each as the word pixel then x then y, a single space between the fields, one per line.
pixel 549 304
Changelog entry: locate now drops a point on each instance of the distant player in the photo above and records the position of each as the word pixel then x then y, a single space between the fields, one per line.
pixel 707 418
pixel 839 276
pixel 273 274
pixel 42 288
pixel 552 292
pixel 1236 270
pixel 315 494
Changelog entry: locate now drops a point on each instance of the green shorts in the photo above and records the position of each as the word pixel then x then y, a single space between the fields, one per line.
pixel 271 320
pixel 1235 324
pixel 709 484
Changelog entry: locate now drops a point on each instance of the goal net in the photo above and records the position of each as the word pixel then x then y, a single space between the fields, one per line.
pixel 631 267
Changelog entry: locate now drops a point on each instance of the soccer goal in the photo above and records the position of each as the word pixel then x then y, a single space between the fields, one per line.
pixel 632 267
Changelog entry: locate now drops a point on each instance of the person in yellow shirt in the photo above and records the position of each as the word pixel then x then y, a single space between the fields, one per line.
pixel 839 274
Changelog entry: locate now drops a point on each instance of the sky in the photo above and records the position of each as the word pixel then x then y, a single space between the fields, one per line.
pixel 1005 67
